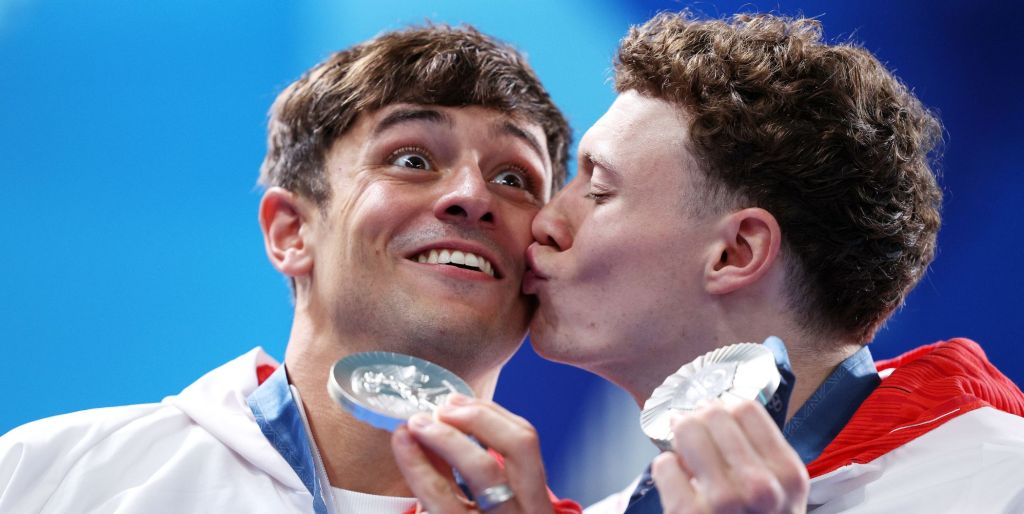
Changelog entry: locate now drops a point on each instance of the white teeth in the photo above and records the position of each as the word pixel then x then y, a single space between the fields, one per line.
pixel 445 256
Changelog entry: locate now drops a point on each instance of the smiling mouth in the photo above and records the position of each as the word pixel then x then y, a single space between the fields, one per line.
pixel 457 258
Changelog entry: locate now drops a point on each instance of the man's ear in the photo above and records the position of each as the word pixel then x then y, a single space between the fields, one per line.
pixel 746 249
pixel 284 218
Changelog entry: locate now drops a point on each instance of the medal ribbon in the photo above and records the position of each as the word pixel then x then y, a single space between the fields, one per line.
pixel 281 423
pixel 278 417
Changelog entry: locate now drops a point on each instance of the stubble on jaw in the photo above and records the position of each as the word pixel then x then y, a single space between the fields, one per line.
pixel 467 346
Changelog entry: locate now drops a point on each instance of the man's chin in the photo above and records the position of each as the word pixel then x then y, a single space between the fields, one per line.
pixel 543 339
pixel 455 330
pixel 555 340
pixel 468 354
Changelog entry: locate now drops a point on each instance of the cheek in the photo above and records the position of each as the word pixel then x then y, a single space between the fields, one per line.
pixel 519 223
pixel 372 201
pixel 376 212
pixel 512 231
pixel 616 265
pixel 602 253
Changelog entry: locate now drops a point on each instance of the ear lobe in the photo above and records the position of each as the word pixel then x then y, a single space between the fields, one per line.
pixel 747 248
pixel 283 216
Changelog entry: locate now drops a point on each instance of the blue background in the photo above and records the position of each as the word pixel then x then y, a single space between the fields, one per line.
pixel 131 134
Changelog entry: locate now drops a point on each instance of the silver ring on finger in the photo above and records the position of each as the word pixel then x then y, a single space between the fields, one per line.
pixel 493 496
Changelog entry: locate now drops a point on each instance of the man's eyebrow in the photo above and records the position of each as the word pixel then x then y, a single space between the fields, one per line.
pixel 511 129
pixel 596 160
pixel 405 115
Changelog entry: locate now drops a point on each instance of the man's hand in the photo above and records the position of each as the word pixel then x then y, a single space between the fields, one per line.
pixel 447 438
pixel 730 459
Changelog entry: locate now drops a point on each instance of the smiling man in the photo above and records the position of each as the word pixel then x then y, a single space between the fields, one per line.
pixel 752 180
pixel 402 176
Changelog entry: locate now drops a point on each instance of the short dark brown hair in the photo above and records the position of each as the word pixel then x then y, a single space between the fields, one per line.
pixel 430 65
pixel 821 135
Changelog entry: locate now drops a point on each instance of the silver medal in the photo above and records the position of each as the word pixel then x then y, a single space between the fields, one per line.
pixel 385 389
pixel 744 371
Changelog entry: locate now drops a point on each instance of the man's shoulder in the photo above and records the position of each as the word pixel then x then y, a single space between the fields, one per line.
pixel 80 427
pixel 972 463
pixel 922 390
pixel 223 387
pixel 138 454
pixel 59 442
pixel 943 432
pixel 970 436
pixel 40 458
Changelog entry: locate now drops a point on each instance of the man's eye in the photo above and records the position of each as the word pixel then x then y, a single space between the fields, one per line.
pixel 512 178
pixel 411 159
pixel 599 197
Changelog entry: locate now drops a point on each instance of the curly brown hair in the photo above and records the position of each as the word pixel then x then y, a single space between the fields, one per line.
pixel 430 65
pixel 821 135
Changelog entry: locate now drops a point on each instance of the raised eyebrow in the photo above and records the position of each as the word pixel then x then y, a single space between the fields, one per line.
pixel 508 128
pixel 412 114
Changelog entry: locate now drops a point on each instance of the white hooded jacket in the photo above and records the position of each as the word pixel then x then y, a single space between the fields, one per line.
pixel 198 451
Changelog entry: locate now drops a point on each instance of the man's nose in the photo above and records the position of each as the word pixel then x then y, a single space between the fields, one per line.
pixel 467 199
pixel 551 227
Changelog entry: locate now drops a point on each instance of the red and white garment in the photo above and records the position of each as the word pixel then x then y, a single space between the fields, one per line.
pixel 943 432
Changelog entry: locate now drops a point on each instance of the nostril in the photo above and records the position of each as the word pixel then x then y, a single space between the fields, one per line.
pixel 455 210
pixel 552 242
pixel 488 218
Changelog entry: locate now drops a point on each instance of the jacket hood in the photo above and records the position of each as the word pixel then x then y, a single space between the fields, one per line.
pixel 217 403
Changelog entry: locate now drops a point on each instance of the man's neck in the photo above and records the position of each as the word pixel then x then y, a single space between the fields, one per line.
pixel 356 456
pixel 812 363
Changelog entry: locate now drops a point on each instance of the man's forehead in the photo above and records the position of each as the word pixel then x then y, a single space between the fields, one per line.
pixel 503 123
pixel 399 114
pixel 637 130
pixel 605 141
pixel 632 110
pixel 447 113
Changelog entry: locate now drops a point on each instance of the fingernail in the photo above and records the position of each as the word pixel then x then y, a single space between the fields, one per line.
pixel 420 420
pixel 458 399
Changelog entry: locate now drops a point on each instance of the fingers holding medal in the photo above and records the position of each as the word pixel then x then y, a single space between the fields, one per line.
pixel 438 429
pixel 723 452
pixel 518 486
pixel 729 458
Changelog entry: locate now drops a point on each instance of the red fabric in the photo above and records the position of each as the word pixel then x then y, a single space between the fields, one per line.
pixel 928 387
pixel 263 372
pixel 561 506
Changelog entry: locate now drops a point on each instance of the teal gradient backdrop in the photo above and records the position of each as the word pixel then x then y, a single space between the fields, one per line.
pixel 131 134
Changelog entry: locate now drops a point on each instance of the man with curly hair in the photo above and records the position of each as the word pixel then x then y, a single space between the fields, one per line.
pixel 752 180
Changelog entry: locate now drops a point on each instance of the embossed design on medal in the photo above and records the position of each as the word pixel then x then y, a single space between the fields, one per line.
pixel 385 389
pixel 744 371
